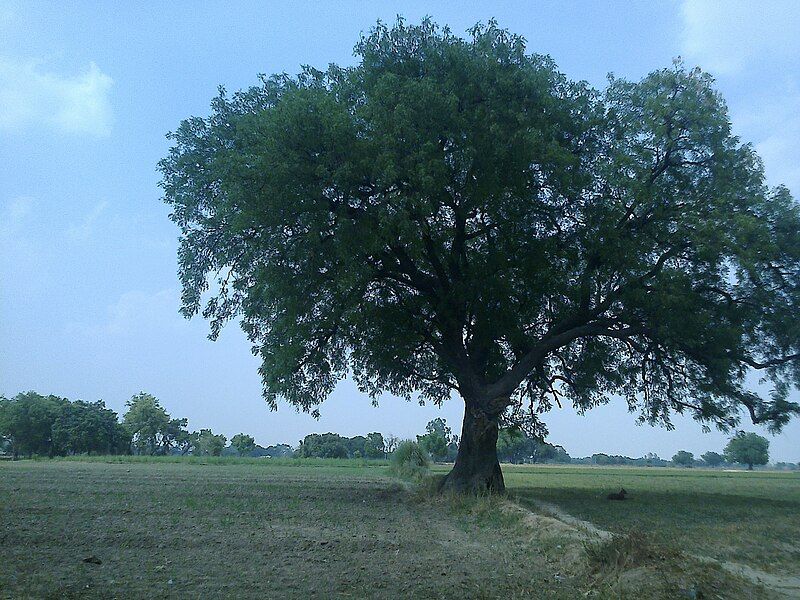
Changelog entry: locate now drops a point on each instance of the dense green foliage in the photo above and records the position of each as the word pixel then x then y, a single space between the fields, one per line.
pixel 244 444
pixel 456 215
pixel 683 459
pixel 278 451
pixel 89 427
pixel 514 446
pixel 323 445
pixel 437 439
pixel 54 426
pixel 333 445
pixel 712 459
pixel 410 459
pixel 374 446
pixel 209 443
pixel 748 448
pixel 148 423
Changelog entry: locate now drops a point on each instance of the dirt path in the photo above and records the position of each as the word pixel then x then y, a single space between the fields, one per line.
pixel 784 585
pixel 555 511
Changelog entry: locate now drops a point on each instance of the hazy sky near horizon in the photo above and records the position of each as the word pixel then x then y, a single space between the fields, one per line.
pixel 89 295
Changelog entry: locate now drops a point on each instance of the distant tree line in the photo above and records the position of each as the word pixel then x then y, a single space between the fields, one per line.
pixel 333 445
pixel 514 446
pixel 33 424
pixel 743 448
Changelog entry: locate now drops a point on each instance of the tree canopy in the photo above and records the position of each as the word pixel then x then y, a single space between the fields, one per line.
pixel 209 443
pixel 54 426
pixel 515 447
pixel 243 443
pixel 148 423
pixel 436 439
pixel 683 458
pixel 455 215
pixel 748 448
pixel 712 459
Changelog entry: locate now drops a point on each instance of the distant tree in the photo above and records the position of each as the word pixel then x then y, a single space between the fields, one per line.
pixel 375 446
pixel 356 445
pixel 173 435
pixel 560 455
pixel 186 442
pixel 27 420
pixel 513 445
pixel 542 451
pixel 712 459
pixel 209 444
pixel 748 449
pixel 683 459
pixel 326 445
pixel 601 459
pixel 455 215
pixel 49 425
pixel 244 444
pixel 5 426
pixel 279 451
pixel 436 440
pixel 651 459
pixel 452 449
pixel 392 442
pixel 147 422
pixel 89 427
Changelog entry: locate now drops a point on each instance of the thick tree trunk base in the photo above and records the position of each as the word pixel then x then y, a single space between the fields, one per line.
pixel 477 470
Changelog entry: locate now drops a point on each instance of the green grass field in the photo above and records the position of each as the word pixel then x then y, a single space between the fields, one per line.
pixel 238 528
pixel 751 518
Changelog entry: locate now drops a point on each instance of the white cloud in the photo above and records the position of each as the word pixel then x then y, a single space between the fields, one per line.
pixel 754 50
pixel 135 313
pixel 30 96
pixel 137 309
pixel 13 215
pixel 80 232
pixel 726 36
pixel 777 118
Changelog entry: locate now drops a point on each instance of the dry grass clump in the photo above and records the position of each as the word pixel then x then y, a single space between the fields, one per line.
pixel 410 461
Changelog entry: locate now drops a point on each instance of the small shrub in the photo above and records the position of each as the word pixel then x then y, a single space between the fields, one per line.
pixel 623 552
pixel 410 460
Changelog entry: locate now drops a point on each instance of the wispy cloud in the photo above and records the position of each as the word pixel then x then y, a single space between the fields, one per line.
pixel 12 216
pixel 777 116
pixel 81 231
pixel 728 35
pixel 135 312
pixel 754 50
pixel 32 96
pixel 6 15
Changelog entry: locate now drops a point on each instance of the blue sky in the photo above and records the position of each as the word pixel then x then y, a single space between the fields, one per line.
pixel 88 288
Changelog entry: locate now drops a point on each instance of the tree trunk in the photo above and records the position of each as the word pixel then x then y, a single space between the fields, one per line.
pixel 750 466
pixel 477 469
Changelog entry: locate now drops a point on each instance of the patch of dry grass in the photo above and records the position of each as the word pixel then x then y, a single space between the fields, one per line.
pixel 247 531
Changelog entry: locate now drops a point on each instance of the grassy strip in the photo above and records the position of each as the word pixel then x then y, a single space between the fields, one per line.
pixel 225 460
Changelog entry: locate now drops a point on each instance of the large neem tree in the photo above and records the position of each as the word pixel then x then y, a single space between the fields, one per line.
pixel 455 216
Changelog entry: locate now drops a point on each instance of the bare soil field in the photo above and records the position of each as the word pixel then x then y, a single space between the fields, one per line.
pixel 96 529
